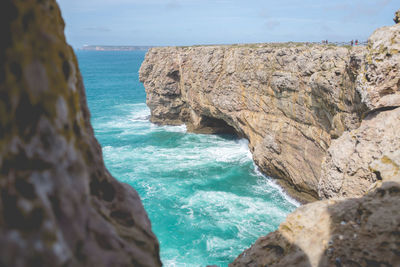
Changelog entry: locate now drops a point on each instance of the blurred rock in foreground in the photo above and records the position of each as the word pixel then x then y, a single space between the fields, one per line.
pixel 59 206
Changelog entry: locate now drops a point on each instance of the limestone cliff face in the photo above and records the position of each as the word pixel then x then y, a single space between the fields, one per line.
pixel 288 100
pixel 360 231
pixel 324 119
pixel 379 80
pixel 362 157
pixel 59 206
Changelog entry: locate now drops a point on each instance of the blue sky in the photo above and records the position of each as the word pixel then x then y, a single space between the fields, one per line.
pixel 188 22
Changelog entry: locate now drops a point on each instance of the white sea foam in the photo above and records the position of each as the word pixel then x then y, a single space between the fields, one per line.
pixel 185 155
pixel 174 262
pixel 131 115
pixel 221 247
pixel 165 172
pixel 174 129
pixel 231 211
pixel 272 183
pixel 140 113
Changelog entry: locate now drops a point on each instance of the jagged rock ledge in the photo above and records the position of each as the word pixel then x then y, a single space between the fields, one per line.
pixel 59 206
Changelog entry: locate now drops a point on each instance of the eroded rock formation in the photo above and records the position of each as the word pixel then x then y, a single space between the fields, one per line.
pixel 370 153
pixel 379 79
pixel 59 206
pixel 324 119
pixel 363 157
pixel 346 231
pixel 352 232
pixel 288 100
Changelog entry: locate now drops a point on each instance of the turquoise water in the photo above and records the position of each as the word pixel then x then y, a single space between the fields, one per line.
pixel 206 200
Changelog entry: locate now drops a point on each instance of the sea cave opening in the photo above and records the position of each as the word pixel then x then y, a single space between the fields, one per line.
pixel 210 125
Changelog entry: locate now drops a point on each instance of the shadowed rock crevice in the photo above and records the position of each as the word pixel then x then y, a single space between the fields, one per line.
pixel 59 205
pixel 209 125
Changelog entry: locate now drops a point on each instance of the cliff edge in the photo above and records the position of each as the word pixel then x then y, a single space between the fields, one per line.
pixel 362 162
pixel 288 100
pixel 364 157
pixel 322 119
pixel 293 102
pixel 59 206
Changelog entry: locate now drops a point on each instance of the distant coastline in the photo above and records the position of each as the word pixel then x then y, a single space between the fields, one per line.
pixel 114 48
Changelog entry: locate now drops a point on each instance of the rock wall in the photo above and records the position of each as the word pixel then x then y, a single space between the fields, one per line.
pixel 360 231
pixel 288 100
pixel 59 206
pixel 371 153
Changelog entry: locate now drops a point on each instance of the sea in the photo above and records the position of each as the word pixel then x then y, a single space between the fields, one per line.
pixel 205 197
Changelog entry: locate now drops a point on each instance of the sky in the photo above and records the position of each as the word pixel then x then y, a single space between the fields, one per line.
pixel 194 22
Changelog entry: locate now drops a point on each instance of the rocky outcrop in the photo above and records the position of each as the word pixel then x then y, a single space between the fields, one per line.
pixel 363 157
pixel 288 100
pixel 323 119
pixel 59 206
pixel 345 231
pixel 379 80
pixel 352 232
pixel 291 101
pixel 367 155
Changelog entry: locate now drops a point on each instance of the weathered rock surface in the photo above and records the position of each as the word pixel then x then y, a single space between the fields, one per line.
pixel 379 80
pixel 59 206
pixel 288 100
pixel 346 231
pixel 371 153
pixel 352 232
pixel 323 119
pixel 362 157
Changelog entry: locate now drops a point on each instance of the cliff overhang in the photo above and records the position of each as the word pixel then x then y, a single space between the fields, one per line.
pixel 288 100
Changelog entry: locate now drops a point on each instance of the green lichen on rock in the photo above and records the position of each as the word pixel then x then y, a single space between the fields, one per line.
pixel 59 206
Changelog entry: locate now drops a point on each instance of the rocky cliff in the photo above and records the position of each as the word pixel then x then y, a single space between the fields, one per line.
pixel 291 101
pixel 351 231
pixel 59 206
pixel 362 157
pixel 323 119
pixel 288 100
